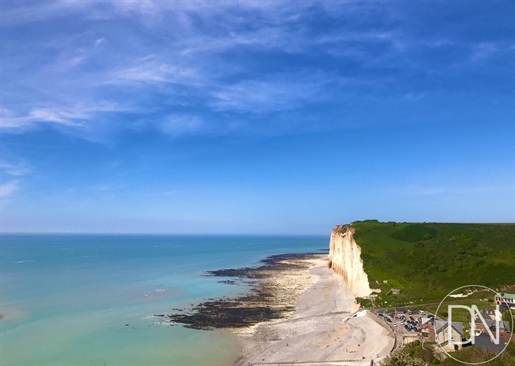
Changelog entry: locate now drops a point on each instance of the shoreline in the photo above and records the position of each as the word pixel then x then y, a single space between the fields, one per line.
pixel 296 310
pixel 323 329
pixel 272 292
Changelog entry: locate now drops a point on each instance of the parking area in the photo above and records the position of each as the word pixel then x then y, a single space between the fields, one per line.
pixel 406 321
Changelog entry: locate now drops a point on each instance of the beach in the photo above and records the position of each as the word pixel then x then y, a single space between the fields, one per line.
pixel 323 329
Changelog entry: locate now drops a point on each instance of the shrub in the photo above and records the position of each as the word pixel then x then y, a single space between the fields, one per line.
pixel 402 359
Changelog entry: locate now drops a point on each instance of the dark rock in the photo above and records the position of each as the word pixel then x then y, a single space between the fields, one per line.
pixel 242 311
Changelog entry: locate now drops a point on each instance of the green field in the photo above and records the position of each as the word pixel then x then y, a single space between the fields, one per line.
pixel 428 260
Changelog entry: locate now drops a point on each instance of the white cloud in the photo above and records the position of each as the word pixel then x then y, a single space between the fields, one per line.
pixel 8 189
pixel 54 115
pixel 40 10
pixel 153 71
pixel 14 169
pixel 73 116
pixel 261 96
pixel 154 7
pixel 99 41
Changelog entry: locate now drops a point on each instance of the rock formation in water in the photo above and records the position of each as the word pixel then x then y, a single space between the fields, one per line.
pixel 345 260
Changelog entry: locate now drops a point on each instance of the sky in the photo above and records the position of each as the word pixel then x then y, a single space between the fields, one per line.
pixel 254 117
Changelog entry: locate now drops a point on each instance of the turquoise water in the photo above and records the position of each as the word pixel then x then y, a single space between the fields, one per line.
pixel 90 299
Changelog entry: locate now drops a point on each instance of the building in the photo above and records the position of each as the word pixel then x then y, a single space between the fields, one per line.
pixel 504 326
pixel 396 291
pixel 487 314
pixel 424 320
pixel 442 335
pixel 399 311
pixel 427 330
pixel 505 300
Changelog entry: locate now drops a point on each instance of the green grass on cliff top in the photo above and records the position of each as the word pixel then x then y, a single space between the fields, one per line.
pixel 427 261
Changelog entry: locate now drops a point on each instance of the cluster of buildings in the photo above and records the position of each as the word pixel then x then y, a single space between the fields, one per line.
pixel 438 331
pixel 488 331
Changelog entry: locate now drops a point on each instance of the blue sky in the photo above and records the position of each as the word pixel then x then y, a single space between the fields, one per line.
pixel 267 117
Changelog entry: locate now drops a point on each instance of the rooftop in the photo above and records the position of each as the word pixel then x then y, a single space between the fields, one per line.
pixel 484 341
pixel 441 325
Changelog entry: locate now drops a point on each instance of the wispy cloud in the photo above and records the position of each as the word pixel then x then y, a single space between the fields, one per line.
pixel 76 56
pixel 160 57
pixel 36 11
pixel 8 189
pixel 73 116
pixel 262 96
pixel 17 170
pixel 11 169
pixel 153 71
pixel 483 51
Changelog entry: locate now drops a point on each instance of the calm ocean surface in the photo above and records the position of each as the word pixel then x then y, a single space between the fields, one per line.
pixel 66 299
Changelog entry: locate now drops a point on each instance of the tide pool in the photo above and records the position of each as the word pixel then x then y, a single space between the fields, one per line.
pixel 90 299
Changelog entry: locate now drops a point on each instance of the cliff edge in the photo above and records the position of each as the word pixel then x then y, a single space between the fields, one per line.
pixel 345 260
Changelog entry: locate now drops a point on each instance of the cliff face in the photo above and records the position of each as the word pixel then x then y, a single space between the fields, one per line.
pixel 345 260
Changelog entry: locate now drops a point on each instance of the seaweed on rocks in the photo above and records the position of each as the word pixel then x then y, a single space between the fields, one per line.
pixel 265 300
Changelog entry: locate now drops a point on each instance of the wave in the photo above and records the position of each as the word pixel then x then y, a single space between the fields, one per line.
pixel 162 289
pixel 25 261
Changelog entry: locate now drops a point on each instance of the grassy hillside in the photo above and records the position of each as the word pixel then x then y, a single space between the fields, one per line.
pixel 427 261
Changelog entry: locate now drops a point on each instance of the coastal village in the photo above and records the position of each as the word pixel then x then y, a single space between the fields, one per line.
pixel 409 326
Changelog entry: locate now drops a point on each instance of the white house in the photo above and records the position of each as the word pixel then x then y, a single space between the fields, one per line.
pixel 442 335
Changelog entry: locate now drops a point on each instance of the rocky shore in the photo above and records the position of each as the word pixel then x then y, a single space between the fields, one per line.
pixel 297 311
pixel 274 287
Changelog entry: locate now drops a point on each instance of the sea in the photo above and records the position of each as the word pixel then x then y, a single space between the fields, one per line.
pixel 92 299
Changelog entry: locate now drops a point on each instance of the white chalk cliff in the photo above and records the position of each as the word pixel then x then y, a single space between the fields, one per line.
pixel 345 260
